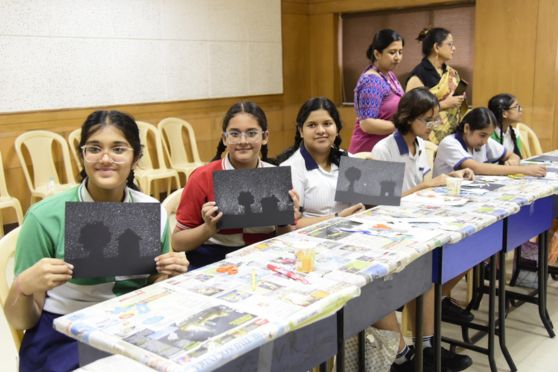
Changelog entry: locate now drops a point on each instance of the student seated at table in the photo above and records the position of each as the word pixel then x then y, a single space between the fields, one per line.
pixel 416 116
pixel 244 137
pixel 471 147
pixel 507 111
pixel 314 160
pixel 43 288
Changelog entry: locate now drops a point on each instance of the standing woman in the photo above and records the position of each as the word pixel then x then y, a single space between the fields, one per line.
pixel 507 111
pixel 377 92
pixel 442 80
pixel 43 288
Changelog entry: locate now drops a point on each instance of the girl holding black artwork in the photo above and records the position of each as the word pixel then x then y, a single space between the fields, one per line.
pixel 244 138
pixel 314 161
pixel 416 117
pixel 43 288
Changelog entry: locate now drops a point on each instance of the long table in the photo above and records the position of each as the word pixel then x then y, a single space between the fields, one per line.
pixel 208 319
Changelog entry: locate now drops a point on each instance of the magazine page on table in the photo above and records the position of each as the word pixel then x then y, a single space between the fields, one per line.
pixel 205 318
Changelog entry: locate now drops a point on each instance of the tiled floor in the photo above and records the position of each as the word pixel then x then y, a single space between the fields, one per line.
pixel 530 346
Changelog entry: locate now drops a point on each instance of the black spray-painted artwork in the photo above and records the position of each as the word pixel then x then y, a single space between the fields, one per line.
pixel 254 197
pixel 371 182
pixel 112 239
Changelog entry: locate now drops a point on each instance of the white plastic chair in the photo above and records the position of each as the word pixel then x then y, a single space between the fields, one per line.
pixel 7 201
pixel 146 173
pixel 45 180
pixel 173 131
pixel 7 252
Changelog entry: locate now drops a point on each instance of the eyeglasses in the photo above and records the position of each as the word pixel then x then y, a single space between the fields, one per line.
pixel 117 154
pixel 252 135
pixel 431 123
pixel 516 107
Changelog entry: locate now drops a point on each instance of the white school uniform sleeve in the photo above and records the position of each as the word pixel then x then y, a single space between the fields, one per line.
pixel 381 151
pixel 494 151
pixel 298 174
pixel 450 156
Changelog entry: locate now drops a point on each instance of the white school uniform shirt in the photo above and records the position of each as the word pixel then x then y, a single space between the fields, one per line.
pixel 508 141
pixel 314 185
pixel 453 151
pixel 394 148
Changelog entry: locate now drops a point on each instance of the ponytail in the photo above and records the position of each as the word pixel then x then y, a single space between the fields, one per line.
pixel 220 150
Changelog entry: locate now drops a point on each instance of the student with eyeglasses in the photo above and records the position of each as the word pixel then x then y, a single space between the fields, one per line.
pixel 417 115
pixel 43 288
pixel 472 147
pixel 434 73
pixel 244 137
pixel 507 111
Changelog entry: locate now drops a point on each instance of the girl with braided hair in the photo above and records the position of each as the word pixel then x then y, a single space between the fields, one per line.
pixel 244 138
pixel 507 111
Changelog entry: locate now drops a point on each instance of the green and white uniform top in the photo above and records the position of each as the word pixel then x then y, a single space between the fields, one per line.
pixel 42 235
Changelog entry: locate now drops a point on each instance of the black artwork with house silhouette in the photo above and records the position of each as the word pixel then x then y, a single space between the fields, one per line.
pixel 370 182
pixel 269 215
pixel 254 197
pixel 112 239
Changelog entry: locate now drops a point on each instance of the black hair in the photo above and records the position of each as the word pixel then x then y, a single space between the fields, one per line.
pixel 478 118
pixel 498 104
pixel 313 104
pixel 122 121
pixel 414 103
pixel 248 108
pixel 430 37
pixel 382 39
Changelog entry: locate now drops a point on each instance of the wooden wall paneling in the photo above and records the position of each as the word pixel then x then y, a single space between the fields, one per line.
pixel 543 118
pixel 352 6
pixel 324 70
pixel 505 42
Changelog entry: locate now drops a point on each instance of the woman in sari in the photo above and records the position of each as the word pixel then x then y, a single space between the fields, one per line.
pixel 442 80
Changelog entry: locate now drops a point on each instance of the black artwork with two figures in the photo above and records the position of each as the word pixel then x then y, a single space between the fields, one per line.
pixel 254 197
pixel 112 239
pixel 371 182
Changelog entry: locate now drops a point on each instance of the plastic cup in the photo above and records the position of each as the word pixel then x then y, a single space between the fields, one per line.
pixel 453 185
pixel 305 260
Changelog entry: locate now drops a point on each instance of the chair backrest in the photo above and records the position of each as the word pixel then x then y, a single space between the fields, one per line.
pixel 171 204
pixel 529 140
pixel 7 252
pixel 431 149
pixel 73 141
pixel 39 145
pixel 172 130
pixel 3 188
pixel 146 162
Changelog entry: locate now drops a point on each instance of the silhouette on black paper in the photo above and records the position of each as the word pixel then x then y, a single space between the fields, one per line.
pixel 387 189
pixel 370 182
pixel 246 199
pixel 261 200
pixel 353 174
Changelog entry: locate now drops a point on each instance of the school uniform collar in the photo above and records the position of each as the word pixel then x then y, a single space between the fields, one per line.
pixel 227 165
pixel 85 196
pixel 309 161
pixel 402 145
pixel 459 138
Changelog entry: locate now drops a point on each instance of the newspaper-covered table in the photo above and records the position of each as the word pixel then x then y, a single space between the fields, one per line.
pixel 203 319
